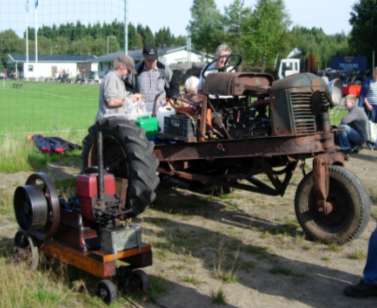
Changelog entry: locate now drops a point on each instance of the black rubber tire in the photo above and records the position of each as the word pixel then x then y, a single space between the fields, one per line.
pixel 136 281
pixel 351 208
pixel 127 154
pixel 107 291
pixel 26 250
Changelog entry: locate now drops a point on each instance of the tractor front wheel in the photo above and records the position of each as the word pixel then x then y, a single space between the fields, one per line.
pixel 350 205
pixel 128 155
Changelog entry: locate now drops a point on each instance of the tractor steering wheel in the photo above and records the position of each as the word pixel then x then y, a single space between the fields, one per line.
pixel 227 66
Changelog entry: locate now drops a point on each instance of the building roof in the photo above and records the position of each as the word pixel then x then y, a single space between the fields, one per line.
pixel 52 58
pixel 137 54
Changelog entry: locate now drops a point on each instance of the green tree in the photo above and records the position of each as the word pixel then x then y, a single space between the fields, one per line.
pixel 164 38
pixel 134 38
pixel 9 43
pixel 265 33
pixel 146 34
pixel 205 26
pixel 316 42
pixel 234 16
pixel 364 27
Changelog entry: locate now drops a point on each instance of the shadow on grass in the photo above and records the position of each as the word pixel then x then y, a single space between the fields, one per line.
pixel 82 282
pixel 178 202
pixel 273 273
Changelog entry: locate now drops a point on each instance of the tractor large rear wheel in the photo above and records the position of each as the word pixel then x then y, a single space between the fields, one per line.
pixel 128 155
pixel 350 208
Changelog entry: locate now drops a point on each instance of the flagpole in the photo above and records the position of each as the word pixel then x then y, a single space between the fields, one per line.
pixel 27 39
pixel 125 28
pixel 36 30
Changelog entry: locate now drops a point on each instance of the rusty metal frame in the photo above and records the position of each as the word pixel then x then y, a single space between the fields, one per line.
pixel 321 179
pixel 308 145
pixel 98 263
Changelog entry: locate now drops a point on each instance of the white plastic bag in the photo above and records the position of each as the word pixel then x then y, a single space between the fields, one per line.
pixel 372 132
pixel 134 110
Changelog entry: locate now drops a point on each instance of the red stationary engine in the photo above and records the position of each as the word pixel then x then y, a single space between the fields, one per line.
pixel 87 192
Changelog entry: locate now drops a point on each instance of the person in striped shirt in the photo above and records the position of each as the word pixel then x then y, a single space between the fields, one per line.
pixel 370 101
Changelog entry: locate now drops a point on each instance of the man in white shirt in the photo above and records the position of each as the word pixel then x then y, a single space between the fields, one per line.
pixel 113 96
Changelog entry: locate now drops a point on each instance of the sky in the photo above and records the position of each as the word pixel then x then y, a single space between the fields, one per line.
pixel 331 16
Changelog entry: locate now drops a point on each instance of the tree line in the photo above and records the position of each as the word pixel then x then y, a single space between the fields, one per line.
pixel 80 39
pixel 260 34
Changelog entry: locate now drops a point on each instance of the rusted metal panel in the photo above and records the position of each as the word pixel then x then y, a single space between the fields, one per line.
pixel 203 117
pixel 255 147
pixel 321 178
pixel 321 183
pixel 237 84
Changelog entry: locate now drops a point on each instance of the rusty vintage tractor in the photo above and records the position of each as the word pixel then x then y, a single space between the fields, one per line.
pixel 245 126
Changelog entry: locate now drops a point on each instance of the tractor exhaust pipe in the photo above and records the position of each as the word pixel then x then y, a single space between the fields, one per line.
pixel 101 172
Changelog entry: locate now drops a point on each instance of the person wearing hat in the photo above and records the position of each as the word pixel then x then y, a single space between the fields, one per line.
pixel 113 95
pixel 352 131
pixel 154 80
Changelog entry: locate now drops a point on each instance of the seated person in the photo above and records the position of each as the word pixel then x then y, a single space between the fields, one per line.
pixel 189 101
pixel 223 52
pixel 353 129
pixel 113 97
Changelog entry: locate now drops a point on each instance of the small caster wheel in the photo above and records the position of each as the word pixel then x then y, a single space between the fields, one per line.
pixel 107 291
pixel 136 281
pixel 26 250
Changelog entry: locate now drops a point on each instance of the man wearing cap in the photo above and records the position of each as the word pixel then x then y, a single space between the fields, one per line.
pixel 113 96
pixel 154 80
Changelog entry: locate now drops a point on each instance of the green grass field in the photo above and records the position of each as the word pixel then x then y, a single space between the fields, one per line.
pixel 44 107
pixel 65 110
pixel 53 107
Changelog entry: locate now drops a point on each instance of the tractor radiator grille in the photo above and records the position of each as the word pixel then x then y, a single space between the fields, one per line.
pixel 303 118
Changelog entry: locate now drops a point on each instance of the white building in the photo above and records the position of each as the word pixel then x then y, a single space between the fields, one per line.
pixel 53 66
pixel 181 55
pixel 176 56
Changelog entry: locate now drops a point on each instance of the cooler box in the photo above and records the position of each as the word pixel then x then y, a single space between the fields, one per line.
pixel 149 124
pixel 179 127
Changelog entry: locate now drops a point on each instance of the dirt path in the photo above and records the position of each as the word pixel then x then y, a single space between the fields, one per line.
pixel 245 250
pixel 256 240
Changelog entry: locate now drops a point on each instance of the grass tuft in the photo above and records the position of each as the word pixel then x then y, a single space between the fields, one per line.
pixel 191 280
pixel 356 255
pixel 218 297
pixel 226 264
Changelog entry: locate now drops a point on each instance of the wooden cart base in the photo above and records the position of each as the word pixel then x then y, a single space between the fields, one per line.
pixel 98 263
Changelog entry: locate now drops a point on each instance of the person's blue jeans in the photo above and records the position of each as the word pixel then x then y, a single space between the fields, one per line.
pixel 373 114
pixel 370 270
pixel 348 137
